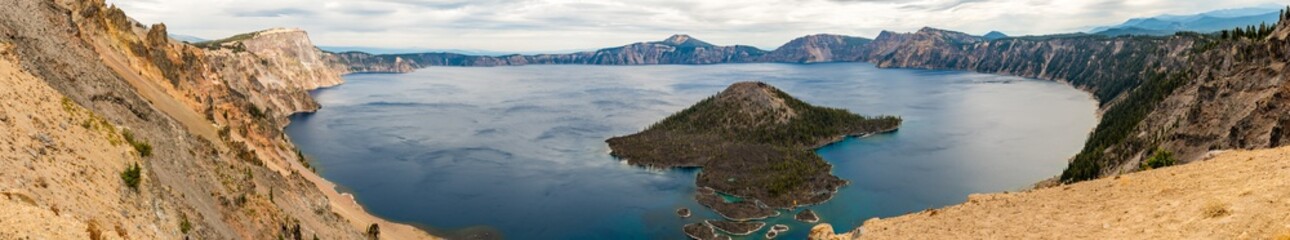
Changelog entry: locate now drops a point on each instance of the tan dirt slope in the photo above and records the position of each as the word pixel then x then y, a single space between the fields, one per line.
pixel 77 75
pixel 1234 195
pixel 50 160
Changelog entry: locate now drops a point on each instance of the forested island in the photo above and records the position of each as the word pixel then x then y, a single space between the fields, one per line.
pixel 755 144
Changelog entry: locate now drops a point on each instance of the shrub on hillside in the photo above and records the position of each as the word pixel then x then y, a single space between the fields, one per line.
pixel 1162 158
pixel 142 147
pixel 184 225
pixel 373 232
pixel 1214 209
pixel 132 176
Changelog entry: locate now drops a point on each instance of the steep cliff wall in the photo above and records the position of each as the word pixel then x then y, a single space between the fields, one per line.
pixel 1186 94
pixel 94 92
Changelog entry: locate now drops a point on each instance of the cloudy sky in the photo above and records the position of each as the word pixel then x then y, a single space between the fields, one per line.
pixel 546 25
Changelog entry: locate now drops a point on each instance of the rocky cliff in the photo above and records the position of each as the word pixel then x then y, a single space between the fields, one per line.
pixel 1185 94
pixel 92 94
pixel 820 48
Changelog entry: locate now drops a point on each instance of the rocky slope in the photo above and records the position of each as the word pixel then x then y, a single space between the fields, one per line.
pixel 1234 195
pixel 92 92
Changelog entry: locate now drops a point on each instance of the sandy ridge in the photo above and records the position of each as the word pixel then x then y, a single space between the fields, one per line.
pixel 1234 195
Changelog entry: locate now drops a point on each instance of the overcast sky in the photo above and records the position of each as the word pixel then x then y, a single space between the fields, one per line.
pixel 544 25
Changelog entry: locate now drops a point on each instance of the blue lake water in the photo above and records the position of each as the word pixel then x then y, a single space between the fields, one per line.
pixel 520 150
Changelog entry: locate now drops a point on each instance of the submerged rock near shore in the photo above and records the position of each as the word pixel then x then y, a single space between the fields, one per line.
pixel 755 142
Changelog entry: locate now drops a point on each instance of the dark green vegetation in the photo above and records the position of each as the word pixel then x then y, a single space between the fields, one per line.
pixel 808 126
pixel 374 232
pixel 753 141
pixel 132 176
pixel 140 146
pixel 184 225
pixel 1117 123
pixel 1250 32
pixel 1253 31
pixel 222 43
pixel 1162 158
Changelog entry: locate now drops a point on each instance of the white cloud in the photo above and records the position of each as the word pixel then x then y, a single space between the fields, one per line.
pixel 529 25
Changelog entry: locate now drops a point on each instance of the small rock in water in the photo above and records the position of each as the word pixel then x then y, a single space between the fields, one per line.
pixel 779 228
pixel 775 230
pixel 683 212
pixel 807 216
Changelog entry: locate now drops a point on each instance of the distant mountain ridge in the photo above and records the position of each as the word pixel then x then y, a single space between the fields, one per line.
pixel 1202 22
pixel 676 49
pixel 992 35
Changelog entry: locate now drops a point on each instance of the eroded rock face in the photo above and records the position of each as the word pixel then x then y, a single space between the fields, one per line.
pixel 820 48
pixel 824 231
pixel 292 58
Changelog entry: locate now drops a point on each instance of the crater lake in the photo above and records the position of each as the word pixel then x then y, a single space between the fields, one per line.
pixel 519 151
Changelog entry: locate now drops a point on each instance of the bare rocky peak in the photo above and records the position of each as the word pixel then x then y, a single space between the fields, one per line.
pixel 677 39
pixel 951 36
pixel 683 40
pixel 757 99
